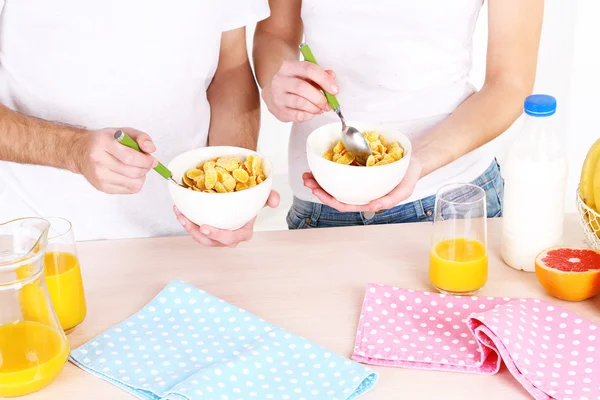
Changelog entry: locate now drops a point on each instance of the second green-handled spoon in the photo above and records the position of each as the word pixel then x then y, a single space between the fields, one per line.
pixel 126 140
pixel 351 137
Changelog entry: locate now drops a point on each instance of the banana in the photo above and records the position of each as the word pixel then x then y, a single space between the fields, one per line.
pixel 596 205
pixel 587 186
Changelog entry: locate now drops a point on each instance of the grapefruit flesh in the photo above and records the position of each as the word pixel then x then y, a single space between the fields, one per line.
pixel 569 273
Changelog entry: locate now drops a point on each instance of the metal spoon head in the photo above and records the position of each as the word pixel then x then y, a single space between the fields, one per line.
pixel 175 182
pixel 354 142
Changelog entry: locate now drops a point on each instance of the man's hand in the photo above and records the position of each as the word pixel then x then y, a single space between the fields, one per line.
pixel 400 193
pixel 209 236
pixel 110 166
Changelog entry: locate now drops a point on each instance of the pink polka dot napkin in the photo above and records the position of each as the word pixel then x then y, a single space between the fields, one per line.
pixel 552 352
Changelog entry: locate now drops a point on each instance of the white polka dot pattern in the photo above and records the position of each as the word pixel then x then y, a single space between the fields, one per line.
pixel 551 351
pixel 187 344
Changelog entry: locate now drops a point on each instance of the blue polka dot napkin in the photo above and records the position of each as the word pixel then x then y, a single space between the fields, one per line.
pixel 187 345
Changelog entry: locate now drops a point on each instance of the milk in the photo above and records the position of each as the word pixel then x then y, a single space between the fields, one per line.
pixel 535 175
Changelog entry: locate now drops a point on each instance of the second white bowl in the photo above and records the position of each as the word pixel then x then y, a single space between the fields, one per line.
pixel 351 184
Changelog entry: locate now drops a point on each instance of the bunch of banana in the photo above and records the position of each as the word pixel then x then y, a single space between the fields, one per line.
pixel 589 186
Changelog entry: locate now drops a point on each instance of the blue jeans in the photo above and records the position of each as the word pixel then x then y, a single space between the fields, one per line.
pixel 304 214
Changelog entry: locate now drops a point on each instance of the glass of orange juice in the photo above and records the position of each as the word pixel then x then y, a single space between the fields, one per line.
pixel 63 274
pixel 458 261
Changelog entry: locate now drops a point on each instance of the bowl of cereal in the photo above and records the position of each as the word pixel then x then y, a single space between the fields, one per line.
pixel 224 187
pixel 352 180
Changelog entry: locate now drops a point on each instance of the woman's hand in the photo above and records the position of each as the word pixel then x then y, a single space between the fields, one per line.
pixel 400 193
pixel 294 94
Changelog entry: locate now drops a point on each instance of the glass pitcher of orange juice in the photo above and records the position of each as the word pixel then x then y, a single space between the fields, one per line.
pixel 63 274
pixel 33 347
pixel 458 261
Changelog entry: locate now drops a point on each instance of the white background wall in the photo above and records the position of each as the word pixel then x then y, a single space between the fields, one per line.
pixel 568 68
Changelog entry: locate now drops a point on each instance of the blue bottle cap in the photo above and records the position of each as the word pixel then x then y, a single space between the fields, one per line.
pixel 540 105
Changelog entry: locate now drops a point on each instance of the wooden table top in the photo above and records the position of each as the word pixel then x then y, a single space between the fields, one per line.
pixel 310 282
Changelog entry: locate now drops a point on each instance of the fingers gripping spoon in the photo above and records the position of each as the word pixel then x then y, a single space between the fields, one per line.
pixel 126 140
pixel 352 139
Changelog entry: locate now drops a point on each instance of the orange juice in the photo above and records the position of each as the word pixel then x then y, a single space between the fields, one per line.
pixel 63 278
pixel 31 356
pixel 458 265
pixel 35 304
pixel 33 297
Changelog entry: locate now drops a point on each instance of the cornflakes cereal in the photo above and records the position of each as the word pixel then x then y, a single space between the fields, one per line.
pixel 187 181
pixel 382 152
pixel 210 175
pixel 225 175
pixel 229 163
pixel 220 188
pixel 194 174
pixel 240 175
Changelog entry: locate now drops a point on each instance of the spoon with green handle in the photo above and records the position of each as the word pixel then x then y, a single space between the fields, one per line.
pixel 126 140
pixel 352 139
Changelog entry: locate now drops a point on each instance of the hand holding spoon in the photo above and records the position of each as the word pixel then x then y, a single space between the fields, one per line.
pixel 126 140
pixel 352 139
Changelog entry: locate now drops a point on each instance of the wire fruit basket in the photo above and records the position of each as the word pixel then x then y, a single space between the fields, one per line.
pixel 590 222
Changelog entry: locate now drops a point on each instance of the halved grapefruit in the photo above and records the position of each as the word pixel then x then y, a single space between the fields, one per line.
pixel 569 273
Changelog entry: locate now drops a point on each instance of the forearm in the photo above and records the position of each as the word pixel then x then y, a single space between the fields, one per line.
pixel 477 121
pixel 235 109
pixel 29 140
pixel 270 51
pixel 514 28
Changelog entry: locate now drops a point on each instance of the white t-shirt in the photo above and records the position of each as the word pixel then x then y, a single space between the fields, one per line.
pixel 401 63
pixel 144 64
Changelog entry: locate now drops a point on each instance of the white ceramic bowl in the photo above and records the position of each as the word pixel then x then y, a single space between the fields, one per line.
pixel 351 184
pixel 222 210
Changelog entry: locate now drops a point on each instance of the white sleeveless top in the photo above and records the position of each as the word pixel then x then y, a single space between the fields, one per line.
pixel 111 63
pixel 401 63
